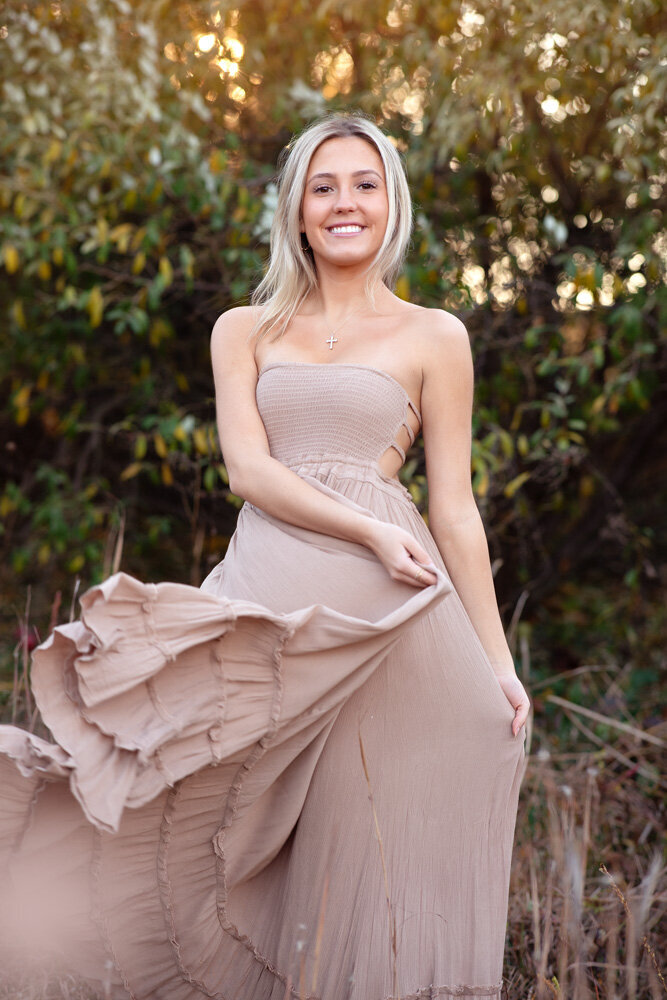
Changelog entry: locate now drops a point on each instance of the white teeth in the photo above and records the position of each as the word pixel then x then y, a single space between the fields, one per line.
pixel 346 229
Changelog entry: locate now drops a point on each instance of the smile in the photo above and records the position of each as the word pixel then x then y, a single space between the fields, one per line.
pixel 345 229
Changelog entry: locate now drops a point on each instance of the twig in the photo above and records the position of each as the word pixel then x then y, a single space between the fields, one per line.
pixel 645 942
pixel 118 550
pixel 640 734
pixel 566 675
pixel 651 776
pixel 72 608
pixel 514 623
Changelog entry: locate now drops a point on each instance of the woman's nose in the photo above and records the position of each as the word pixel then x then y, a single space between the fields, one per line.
pixel 345 201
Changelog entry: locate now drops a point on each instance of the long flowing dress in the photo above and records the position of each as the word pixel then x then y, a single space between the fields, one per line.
pixel 297 782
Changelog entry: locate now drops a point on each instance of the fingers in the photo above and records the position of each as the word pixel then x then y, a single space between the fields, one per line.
pixel 421 565
pixel 422 574
pixel 520 717
pixel 414 574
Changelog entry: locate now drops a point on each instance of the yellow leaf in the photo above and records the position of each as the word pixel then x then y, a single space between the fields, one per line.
pixel 18 314
pixel 403 287
pixel 53 152
pixel 139 262
pixel 58 256
pixel 166 270
pixel 180 433
pixel 415 492
pixel 159 331
pixel 587 486
pixel 43 553
pixel 167 477
pixel 22 397
pixel 199 438
pixel 506 443
pixel 516 484
pixel 523 445
pixel 6 506
pixel 10 255
pixel 76 354
pixel 140 446
pixel 95 306
pixel 75 564
pixel 131 470
pixel 138 238
pixel 120 235
pixel 44 270
pixel 482 485
pixel 182 382
pixel 160 445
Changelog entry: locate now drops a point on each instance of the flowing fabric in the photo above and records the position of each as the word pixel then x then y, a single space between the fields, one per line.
pixel 299 781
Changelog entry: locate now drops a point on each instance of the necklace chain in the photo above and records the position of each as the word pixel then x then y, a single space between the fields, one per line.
pixel 331 339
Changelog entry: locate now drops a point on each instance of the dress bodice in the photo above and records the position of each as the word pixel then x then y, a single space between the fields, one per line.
pixel 337 412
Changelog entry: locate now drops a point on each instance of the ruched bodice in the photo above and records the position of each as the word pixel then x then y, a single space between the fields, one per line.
pixel 331 412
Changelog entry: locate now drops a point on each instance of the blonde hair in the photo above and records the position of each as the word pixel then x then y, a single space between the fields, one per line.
pixel 291 274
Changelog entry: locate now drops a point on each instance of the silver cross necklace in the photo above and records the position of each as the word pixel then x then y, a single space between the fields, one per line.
pixel 331 340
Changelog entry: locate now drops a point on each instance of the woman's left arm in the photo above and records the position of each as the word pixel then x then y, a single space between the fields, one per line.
pixel 454 520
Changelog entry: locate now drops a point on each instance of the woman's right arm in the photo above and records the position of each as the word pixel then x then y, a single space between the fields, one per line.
pixel 270 485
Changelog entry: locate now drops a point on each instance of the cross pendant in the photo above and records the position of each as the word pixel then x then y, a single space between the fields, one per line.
pixel 331 341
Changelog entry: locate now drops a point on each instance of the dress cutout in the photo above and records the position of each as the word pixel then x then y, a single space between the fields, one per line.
pixel 202 824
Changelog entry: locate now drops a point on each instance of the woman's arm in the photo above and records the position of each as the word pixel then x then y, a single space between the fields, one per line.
pixel 271 486
pixel 454 520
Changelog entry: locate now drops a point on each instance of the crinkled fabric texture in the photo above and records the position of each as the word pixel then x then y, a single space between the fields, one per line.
pixel 240 773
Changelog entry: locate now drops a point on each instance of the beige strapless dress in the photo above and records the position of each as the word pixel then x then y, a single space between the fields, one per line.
pixel 299 781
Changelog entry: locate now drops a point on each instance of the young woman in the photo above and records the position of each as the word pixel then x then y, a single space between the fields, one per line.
pixel 301 781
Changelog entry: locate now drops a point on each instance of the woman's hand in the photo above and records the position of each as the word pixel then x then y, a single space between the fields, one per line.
pixel 400 553
pixel 516 695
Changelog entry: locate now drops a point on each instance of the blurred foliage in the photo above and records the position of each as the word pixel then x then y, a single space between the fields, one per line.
pixel 137 150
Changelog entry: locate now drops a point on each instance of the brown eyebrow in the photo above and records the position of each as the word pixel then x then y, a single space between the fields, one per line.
pixel 357 173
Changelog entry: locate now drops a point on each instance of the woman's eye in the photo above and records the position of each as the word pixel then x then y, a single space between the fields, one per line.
pixel 368 185
pixel 321 188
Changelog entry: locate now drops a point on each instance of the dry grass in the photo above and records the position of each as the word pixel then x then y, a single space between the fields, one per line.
pixel 589 884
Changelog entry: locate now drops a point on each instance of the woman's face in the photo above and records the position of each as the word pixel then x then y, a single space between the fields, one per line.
pixel 345 205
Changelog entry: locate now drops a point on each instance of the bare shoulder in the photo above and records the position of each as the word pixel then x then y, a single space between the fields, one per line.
pixel 234 324
pixel 232 343
pixel 441 342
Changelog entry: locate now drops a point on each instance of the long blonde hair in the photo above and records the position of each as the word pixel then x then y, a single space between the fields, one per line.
pixel 291 274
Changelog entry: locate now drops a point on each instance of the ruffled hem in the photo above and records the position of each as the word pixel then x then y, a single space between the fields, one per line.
pixel 177 716
pixel 158 681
